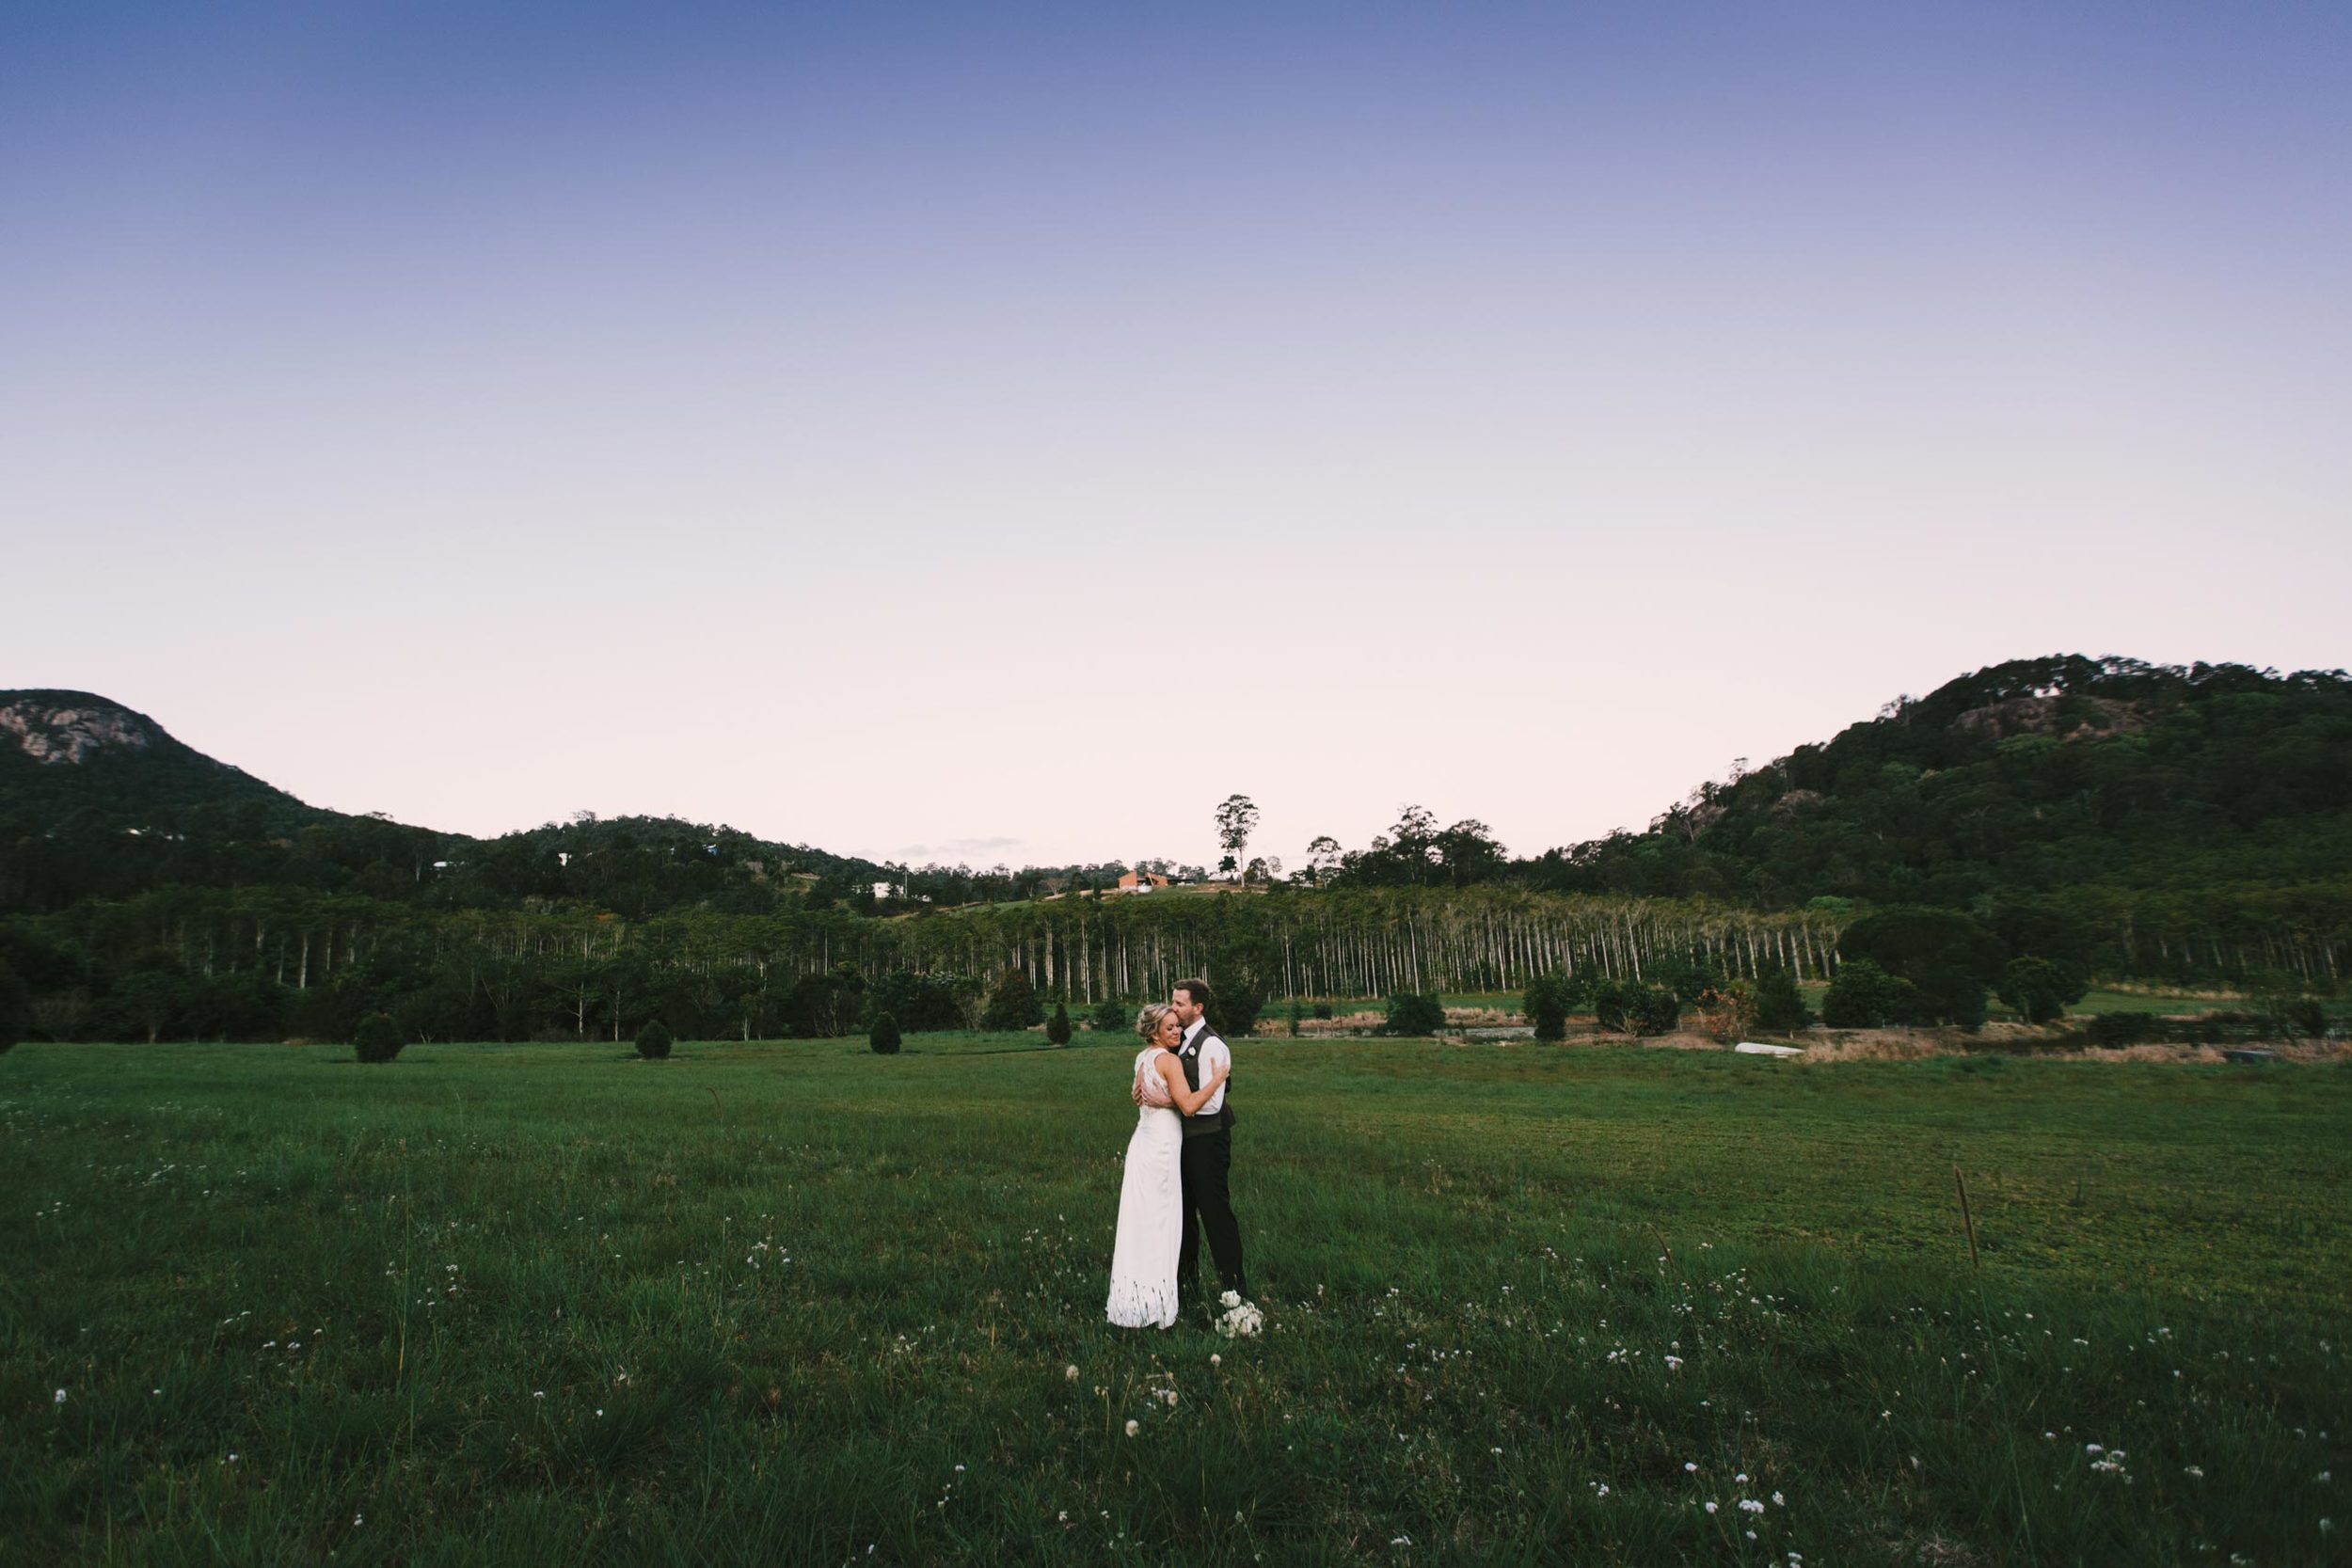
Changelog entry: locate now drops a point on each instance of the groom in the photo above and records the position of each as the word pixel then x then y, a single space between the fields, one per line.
pixel 1208 1154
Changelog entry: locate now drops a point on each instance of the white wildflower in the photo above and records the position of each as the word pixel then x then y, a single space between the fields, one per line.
pixel 60 1398
pixel 1711 1505
pixel 1070 1374
pixel 1134 1427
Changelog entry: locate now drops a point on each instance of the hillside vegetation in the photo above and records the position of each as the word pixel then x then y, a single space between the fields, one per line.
pixel 2107 816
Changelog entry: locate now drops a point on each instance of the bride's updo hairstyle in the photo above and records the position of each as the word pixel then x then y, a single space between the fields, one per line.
pixel 1148 1020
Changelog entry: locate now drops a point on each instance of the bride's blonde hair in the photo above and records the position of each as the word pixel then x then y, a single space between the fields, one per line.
pixel 1148 1020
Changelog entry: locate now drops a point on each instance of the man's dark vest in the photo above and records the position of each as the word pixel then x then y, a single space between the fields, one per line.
pixel 1189 1058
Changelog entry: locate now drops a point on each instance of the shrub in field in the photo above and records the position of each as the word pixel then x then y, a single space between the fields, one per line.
pixel 1237 1014
pixel 1779 1005
pixel 377 1039
pixel 1727 1012
pixel 1058 1027
pixel 1547 1004
pixel 653 1041
pixel 1237 977
pixel 2037 988
pixel 1298 1017
pixel 1609 1007
pixel 883 1037
pixel 1111 1016
pixel 1415 1013
pixel 1323 1011
pixel 1864 996
pixel 1013 1004
pixel 1651 1009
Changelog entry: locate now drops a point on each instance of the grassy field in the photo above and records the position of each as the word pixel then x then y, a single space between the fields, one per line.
pixel 797 1302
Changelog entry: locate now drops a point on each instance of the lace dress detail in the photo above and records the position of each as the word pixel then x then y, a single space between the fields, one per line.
pixel 1150 1209
pixel 1148 1080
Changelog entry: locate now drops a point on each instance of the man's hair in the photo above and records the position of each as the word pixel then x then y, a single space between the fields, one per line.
pixel 1196 990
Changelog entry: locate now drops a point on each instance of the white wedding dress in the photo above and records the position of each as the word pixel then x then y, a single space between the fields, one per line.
pixel 1150 1209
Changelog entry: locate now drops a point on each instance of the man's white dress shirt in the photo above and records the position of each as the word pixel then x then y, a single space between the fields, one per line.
pixel 1213 1055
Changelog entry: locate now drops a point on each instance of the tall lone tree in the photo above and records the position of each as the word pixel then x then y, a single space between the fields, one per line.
pixel 1237 819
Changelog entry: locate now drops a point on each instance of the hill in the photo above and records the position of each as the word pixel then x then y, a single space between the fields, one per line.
pixel 2030 777
pixel 68 755
pixel 97 800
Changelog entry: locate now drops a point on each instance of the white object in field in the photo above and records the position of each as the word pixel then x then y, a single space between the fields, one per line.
pixel 1757 1047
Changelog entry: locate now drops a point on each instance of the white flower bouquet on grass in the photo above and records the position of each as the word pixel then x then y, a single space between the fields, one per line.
pixel 1240 1319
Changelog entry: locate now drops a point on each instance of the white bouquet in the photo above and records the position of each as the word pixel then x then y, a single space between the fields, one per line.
pixel 1241 1321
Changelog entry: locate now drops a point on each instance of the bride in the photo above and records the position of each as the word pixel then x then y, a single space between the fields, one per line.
pixel 1152 1196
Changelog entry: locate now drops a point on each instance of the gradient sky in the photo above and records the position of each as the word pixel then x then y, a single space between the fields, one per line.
pixel 1000 432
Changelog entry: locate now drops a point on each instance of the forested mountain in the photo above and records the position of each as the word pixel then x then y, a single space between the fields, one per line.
pixel 99 801
pixel 2027 778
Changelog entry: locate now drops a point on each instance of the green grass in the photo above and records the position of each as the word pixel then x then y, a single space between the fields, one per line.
pixel 798 1302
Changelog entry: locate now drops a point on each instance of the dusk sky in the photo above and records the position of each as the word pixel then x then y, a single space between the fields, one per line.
pixel 1001 432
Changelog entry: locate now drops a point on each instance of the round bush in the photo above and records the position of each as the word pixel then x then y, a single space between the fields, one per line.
pixel 883 1037
pixel 653 1041
pixel 1779 1005
pixel 1112 1018
pixel 377 1039
pixel 1546 1005
pixel 1652 1009
pixel 1413 1013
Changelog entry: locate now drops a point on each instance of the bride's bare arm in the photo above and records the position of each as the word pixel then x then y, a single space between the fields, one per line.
pixel 1187 1099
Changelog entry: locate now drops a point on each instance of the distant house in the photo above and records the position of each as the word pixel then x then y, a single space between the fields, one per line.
pixel 889 890
pixel 1141 881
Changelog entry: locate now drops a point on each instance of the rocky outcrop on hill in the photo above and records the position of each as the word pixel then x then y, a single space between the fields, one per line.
pixel 2071 716
pixel 49 731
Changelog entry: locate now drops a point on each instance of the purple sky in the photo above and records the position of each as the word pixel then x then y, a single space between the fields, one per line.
pixel 1001 433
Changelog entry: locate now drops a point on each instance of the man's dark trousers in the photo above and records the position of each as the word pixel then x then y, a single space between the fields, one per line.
pixel 1208 1206
pixel 1208 1157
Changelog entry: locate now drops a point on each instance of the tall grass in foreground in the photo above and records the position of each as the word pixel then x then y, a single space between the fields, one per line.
pixel 806 1303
